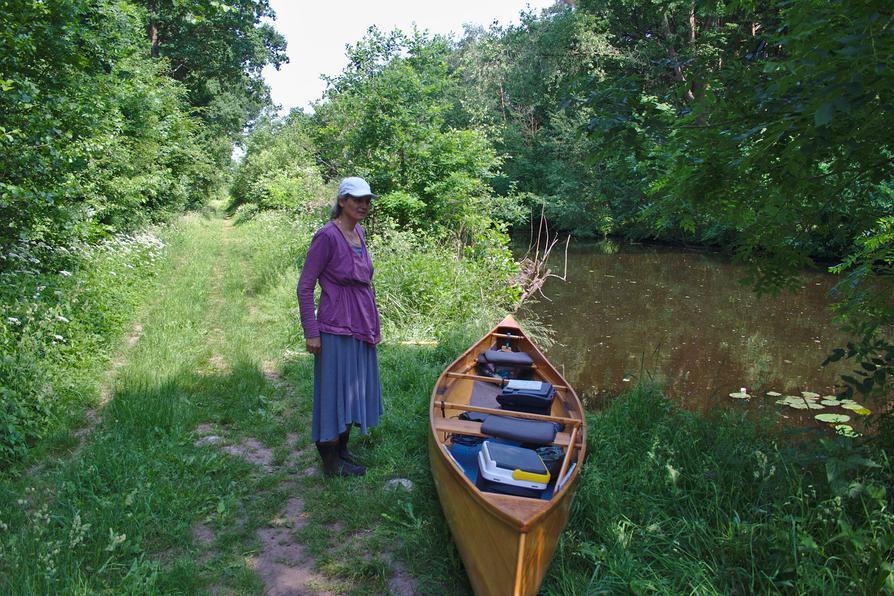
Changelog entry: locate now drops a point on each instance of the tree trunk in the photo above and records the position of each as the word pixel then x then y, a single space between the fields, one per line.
pixel 152 29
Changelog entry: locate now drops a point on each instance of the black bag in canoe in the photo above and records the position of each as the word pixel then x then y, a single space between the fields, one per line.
pixel 534 397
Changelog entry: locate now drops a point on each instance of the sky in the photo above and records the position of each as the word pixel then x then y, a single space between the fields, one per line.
pixel 317 33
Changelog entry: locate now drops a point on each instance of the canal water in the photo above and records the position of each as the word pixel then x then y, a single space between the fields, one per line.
pixel 683 319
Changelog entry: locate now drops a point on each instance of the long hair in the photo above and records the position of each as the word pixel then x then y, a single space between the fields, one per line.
pixel 336 208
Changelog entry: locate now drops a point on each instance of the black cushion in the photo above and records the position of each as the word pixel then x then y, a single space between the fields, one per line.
pixel 508 358
pixel 531 432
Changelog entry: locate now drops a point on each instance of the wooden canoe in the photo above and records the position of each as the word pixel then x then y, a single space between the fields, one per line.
pixel 506 542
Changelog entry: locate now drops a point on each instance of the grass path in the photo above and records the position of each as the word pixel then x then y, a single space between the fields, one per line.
pixel 196 475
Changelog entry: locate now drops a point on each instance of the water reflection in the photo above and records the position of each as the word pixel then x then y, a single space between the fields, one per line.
pixel 683 319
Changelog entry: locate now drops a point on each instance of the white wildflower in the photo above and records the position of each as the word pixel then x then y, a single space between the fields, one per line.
pixel 115 540
pixel 672 474
pixel 58 337
pixel 13 321
pixel 77 532
pixel 65 273
pixel 62 319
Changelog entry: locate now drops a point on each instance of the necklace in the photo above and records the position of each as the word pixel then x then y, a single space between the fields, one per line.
pixel 350 234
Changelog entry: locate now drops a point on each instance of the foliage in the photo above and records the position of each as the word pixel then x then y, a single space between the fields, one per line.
pixel 439 251
pixel 97 140
pixel 278 170
pixel 424 286
pixel 97 137
pixel 386 118
pixel 518 81
pixel 759 128
pixel 217 50
pixel 94 138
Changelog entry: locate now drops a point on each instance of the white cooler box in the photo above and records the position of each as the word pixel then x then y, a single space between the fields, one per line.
pixel 511 470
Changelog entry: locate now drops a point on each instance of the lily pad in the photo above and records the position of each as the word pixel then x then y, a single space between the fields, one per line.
pixel 831 402
pixel 832 418
pixel 739 395
pixel 863 411
pixel 815 406
pixel 798 405
pixel 773 393
pixel 852 406
pixel 810 394
pixel 846 430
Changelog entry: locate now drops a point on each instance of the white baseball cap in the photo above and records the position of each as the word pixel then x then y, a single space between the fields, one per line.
pixel 354 186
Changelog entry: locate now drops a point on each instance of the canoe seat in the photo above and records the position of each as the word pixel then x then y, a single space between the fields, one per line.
pixel 533 432
pixel 454 426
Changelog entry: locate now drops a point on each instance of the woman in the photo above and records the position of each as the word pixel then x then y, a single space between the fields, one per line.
pixel 343 334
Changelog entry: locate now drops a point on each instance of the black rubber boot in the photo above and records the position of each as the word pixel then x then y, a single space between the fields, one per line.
pixel 333 465
pixel 343 448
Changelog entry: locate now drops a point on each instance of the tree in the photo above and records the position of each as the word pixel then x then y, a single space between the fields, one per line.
pixel 279 170
pixel 779 145
pixel 93 137
pixel 386 118
pixel 217 49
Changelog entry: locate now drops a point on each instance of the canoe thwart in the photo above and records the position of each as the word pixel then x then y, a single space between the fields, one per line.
pixel 496 380
pixel 442 405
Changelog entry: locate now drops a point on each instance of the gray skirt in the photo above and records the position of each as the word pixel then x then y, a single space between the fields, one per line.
pixel 346 387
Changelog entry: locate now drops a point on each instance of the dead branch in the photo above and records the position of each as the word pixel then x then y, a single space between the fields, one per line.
pixel 534 271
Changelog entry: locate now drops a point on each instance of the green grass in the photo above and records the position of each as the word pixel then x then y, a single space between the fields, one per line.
pixel 219 327
pixel 118 514
pixel 64 311
pixel 673 502
pixel 669 502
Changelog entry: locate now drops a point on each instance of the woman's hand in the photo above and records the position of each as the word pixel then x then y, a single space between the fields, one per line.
pixel 314 346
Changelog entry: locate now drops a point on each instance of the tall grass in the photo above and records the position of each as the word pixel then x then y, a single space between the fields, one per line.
pixel 63 311
pixel 673 502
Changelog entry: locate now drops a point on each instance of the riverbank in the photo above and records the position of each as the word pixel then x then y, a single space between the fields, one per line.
pixel 200 475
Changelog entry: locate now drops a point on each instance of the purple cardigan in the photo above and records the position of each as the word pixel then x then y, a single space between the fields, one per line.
pixel 348 302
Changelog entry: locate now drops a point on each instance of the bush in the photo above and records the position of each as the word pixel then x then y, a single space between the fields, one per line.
pixel 96 139
pixel 425 283
pixel 278 170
